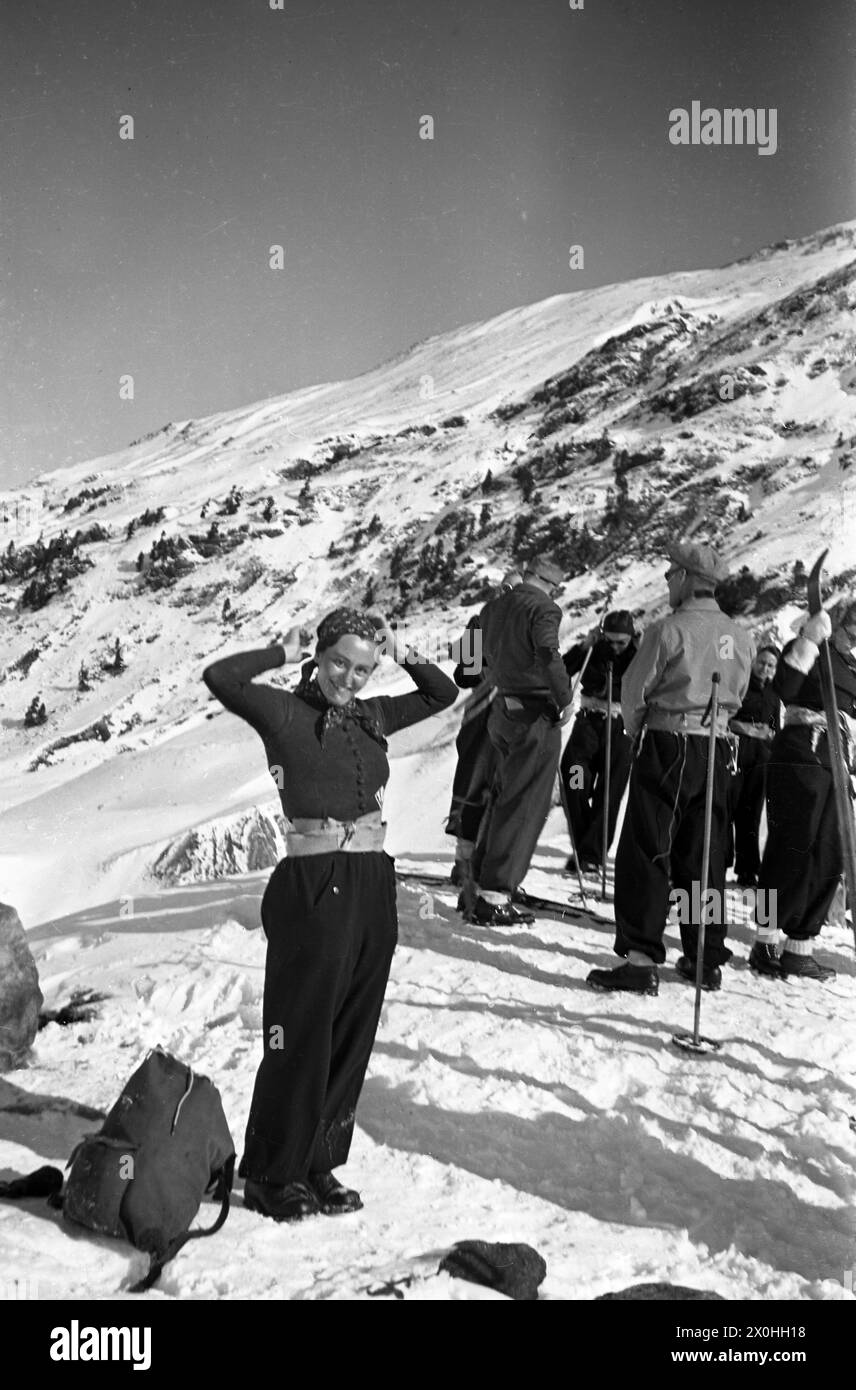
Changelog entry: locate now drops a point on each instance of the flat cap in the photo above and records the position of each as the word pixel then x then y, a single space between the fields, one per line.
pixel 546 570
pixel 701 561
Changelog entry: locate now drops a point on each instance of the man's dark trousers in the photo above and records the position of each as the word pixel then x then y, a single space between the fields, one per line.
pixel 527 744
pixel 662 842
pixel 747 795
pixel 473 777
pixel 586 750
pixel 802 858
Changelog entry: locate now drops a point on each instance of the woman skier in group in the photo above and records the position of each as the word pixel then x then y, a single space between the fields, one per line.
pixel 329 909
pixel 803 859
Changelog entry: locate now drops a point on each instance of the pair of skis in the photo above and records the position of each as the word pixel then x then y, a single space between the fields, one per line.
pixel 550 907
pixel 840 774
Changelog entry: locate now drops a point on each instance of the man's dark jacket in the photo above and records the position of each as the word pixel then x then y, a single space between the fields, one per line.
pixel 520 644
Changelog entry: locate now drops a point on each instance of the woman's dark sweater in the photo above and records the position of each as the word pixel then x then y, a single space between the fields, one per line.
pixel 594 677
pixel 344 779
pixel 761 704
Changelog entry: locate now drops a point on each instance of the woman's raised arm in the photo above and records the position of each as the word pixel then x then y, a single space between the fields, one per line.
pixel 231 681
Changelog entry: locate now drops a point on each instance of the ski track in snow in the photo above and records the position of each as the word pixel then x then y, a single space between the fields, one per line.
pixel 505 1101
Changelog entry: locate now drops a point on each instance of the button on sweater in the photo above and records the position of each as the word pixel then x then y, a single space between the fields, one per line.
pixel 344 779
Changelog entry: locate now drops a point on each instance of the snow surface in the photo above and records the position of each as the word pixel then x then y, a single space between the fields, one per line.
pixel 505 1100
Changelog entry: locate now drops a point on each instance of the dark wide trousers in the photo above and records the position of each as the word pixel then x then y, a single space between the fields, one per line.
pixel 802 858
pixel 586 752
pixel 473 777
pixel 331 927
pixel 748 790
pixel 661 847
pixel 527 746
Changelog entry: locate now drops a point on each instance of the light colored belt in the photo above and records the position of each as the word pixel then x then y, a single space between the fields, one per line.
pixel 686 723
pixel 305 835
pixel 594 702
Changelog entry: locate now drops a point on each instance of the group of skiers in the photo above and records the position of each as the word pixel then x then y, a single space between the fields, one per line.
pixel 329 909
pixel 644 718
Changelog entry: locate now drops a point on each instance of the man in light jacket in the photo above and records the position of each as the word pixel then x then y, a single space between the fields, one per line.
pixel 665 701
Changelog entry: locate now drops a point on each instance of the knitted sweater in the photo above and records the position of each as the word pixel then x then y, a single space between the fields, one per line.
pixel 344 779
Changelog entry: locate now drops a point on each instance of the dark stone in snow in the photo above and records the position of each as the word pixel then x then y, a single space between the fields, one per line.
pixel 515 1270
pixel 662 1293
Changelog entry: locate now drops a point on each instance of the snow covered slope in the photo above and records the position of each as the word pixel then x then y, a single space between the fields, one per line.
pixel 621 415
pixel 505 1100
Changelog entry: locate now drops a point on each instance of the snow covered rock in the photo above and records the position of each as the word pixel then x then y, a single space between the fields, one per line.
pixel 20 996
pixel 229 845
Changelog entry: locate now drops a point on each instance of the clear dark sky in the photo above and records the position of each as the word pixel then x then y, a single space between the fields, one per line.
pixel 300 127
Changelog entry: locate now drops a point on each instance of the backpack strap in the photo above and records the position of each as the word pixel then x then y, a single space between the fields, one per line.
pixel 221 1193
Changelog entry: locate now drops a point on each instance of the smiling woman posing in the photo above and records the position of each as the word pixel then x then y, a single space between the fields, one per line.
pixel 329 911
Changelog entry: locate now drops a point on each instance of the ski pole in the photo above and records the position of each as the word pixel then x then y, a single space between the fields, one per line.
pixel 567 810
pixel 581 672
pixel 705 859
pixel 695 1042
pixel 562 789
pixel 587 657
pixel 607 767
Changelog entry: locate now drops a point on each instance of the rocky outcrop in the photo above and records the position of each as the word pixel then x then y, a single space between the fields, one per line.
pixel 219 848
pixel 20 996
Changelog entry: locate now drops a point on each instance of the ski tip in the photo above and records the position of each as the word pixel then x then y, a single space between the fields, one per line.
pixel 815 601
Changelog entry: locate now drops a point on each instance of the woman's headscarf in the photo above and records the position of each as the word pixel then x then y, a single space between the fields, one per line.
pixel 339 623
